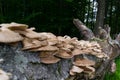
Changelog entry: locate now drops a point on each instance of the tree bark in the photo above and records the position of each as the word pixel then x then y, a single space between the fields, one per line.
pixel 24 65
pixel 109 46
pixel 86 33
pixel 100 16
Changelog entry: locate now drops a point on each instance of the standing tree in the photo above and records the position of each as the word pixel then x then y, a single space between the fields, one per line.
pixel 100 16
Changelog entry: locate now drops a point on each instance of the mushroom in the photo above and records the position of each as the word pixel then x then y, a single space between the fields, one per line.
pixel 63 54
pixel 66 49
pixel 52 41
pixel 48 35
pixel 60 38
pixel 14 26
pixel 42 37
pixel 46 48
pixel 48 57
pixel 27 44
pixel 44 43
pixel 100 55
pixel 97 50
pixel 4 75
pixel 75 70
pixel 77 51
pixel 89 70
pixel 64 39
pixel 8 36
pixel 69 46
pixel 30 33
pixel 45 54
pixel 30 44
pixel 83 62
pixel 49 60
pixel 65 46
pixel 95 44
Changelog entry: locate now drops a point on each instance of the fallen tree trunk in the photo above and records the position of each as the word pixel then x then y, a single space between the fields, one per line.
pixel 109 46
pixel 94 59
pixel 24 65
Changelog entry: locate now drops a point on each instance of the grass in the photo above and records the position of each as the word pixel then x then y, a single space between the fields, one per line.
pixel 116 75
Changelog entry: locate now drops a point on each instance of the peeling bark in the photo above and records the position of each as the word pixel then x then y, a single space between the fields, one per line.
pixel 85 32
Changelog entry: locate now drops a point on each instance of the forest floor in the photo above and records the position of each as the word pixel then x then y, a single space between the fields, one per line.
pixel 116 75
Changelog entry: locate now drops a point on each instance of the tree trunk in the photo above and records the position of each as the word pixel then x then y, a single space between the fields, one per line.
pixel 100 16
pixel 24 65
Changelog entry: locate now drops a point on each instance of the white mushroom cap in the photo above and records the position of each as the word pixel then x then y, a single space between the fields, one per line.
pixel 46 48
pixel 83 62
pixel 63 54
pixel 48 35
pixel 4 75
pixel 45 54
pixel 75 69
pixel 32 43
pixel 77 51
pixel 29 33
pixel 49 60
pixel 8 36
pixel 89 69
pixel 15 26
pixel 52 41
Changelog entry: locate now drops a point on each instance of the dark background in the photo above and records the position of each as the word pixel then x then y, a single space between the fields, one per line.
pixel 56 15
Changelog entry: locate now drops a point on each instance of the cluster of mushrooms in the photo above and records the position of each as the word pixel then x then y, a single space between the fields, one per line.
pixel 52 48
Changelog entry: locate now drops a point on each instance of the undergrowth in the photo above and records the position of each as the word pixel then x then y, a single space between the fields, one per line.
pixel 116 75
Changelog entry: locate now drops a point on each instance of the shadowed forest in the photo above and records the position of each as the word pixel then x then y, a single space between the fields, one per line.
pixel 56 15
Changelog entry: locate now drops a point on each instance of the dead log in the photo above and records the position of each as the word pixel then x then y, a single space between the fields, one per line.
pixel 110 47
pixel 44 56
pixel 85 32
pixel 25 65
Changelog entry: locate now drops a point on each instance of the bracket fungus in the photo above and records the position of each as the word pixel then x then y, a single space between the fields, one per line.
pixel 75 70
pixel 46 48
pixel 8 36
pixel 29 33
pixel 83 66
pixel 14 26
pixel 63 54
pixel 52 49
pixel 84 62
pixel 48 35
pixel 48 57
pixel 49 60
pixel 30 44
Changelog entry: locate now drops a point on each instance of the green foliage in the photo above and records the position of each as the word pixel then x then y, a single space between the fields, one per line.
pixel 69 0
pixel 116 75
pixel 56 15
pixel 45 15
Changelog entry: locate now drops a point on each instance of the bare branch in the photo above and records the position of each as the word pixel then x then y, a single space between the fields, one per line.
pixel 118 38
pixel 85 32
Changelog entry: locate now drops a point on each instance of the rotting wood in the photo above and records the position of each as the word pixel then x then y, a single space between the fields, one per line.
pixel 109 46
pixel 100 53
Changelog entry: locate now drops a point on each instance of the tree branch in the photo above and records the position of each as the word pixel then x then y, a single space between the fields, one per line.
pixel 85 32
